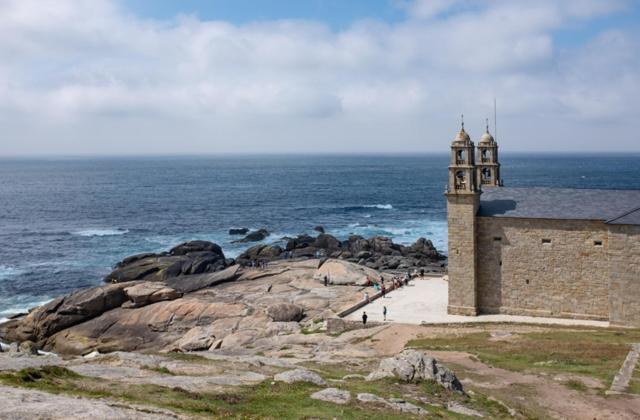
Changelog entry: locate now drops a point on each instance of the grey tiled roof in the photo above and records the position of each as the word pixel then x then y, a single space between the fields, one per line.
pixel 613 206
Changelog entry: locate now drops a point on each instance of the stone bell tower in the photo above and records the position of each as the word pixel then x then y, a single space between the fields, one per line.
pixel 463 199
pixel 487 164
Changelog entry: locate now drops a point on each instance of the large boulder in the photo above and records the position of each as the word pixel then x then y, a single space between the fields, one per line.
pixel 340 272
pixel 285 312
pixel 195 257
pixel 260 252
pixel 326 242
pixel 413 365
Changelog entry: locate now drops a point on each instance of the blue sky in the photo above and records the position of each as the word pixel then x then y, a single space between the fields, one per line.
pixel 336 13
pixel 328 76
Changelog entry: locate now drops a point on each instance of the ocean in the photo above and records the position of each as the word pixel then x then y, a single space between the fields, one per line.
pixel 65 221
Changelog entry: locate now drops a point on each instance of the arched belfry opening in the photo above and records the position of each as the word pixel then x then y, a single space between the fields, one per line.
pixel 488 166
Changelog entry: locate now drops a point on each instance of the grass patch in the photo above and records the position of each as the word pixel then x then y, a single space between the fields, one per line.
pixel 159 369
pixel 576 385
pixel 592 352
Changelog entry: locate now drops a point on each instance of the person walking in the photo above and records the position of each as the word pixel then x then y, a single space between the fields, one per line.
pixel 384 313
pixel 366 297
pixel 364 318
pixel 326 281
pixel 383 289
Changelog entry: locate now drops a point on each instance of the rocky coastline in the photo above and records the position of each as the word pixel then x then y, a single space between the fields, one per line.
pixel 193 297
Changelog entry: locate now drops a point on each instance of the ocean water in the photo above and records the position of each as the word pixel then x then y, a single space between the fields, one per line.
pixel 65 222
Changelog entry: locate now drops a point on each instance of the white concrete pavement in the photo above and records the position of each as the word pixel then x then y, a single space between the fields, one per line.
pixel 424 301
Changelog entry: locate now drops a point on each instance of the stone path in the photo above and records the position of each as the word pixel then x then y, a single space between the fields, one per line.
pixel 621 380
pixel 425 301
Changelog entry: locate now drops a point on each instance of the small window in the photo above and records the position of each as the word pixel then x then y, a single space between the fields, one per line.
pixel 597 243
pixel 497 238
pixel 546 241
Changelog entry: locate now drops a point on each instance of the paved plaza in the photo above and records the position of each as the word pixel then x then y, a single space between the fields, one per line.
pixel 425 301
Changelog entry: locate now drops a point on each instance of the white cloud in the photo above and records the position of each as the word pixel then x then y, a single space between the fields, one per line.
pixel 86 76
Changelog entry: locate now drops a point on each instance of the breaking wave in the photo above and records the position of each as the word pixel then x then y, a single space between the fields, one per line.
pixel 101 232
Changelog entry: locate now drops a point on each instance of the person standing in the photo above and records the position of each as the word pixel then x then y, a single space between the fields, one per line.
pixel 326 281
pixel 383 289
pixel 366 297
pixel 384 313
pixel 364 318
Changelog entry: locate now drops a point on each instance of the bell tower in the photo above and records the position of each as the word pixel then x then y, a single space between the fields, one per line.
pixel 488 166
pixel 463 200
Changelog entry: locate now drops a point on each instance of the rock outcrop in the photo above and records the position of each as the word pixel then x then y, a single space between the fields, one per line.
pixel 195 257
pixel 300 375
pixel 413 365
pixel 378 253
pixel 238 231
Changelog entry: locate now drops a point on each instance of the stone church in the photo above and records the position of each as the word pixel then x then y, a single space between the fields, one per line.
pixel 552 252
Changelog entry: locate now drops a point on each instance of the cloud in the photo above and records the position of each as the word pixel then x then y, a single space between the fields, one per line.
pixel 71 68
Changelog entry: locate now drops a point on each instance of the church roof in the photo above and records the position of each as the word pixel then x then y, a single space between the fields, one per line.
pixel 612 206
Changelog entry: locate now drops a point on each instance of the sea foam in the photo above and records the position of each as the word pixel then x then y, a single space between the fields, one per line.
pixel 101 232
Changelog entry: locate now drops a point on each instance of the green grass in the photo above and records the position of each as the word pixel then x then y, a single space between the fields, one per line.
pixel 159 369
pixel 576 385
pixel 592 352
pixel 265 400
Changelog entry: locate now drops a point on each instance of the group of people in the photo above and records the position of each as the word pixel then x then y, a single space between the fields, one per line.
pixel 397 282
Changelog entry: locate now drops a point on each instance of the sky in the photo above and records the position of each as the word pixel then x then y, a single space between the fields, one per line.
pixel 198 77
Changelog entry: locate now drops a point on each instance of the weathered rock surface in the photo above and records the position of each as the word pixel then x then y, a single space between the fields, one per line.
pixel 341 272
pixel 413 365
pixel 65 312
pixel 393 403
pixel 300 375
pixel 143 294
pixel 334 395
pixel 193 257
pixel 31 404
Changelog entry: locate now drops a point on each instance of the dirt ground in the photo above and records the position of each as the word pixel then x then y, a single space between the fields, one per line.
pixel 536 394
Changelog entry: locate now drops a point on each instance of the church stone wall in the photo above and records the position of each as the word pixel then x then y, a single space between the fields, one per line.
pixel 555 268
pixel 461 211
pixel 624 294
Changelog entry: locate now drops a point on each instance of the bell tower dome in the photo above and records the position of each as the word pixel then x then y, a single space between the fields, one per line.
pixel 488 166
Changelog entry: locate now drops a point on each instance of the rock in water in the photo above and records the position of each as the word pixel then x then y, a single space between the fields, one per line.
pixel 334 395
pixel 238 231
pixel 412 365
pixel 255 236
pixel 285 312
pixel 300 375
pixel 319 229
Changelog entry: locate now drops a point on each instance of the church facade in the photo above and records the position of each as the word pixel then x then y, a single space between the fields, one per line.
pixel 552 252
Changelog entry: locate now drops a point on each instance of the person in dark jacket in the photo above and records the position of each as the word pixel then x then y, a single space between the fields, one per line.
pixel 364 318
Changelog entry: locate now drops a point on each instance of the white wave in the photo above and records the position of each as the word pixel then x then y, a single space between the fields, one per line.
pixel 25 304
pixel 101 232
pixel 7 271
pixel 379 206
